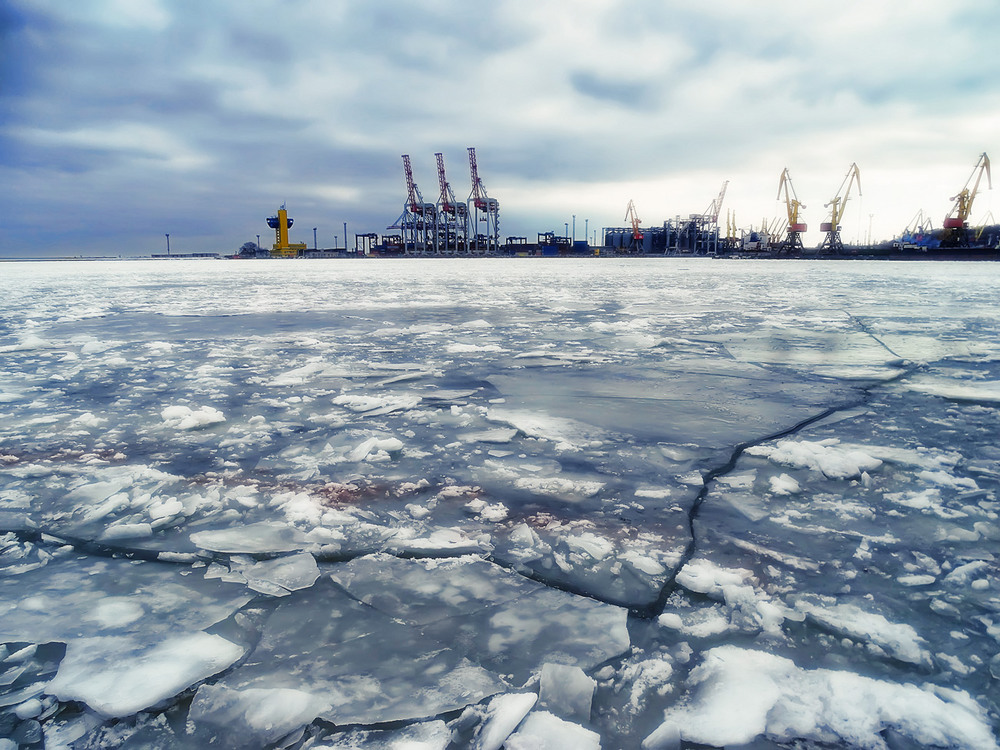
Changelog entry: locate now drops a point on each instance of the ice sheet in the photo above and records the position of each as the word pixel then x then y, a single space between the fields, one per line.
pixel 801 455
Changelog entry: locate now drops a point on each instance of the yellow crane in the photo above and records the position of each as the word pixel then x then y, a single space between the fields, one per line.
pixel 793 241
pixel 956 223
pixel 837 207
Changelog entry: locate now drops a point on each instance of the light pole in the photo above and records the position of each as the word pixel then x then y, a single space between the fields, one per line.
pixel 168 244
pixel 258 243
pixel 314 239
pixel 345 236
pixel 586 229
pixel 574 227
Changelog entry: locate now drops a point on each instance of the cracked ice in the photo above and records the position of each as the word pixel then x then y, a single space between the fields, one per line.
pixel 499 503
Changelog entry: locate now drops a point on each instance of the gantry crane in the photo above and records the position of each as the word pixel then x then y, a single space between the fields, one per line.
pixel 837 207
pixel 956 223
pixel 483 210
pixel 451 217
pixel 417 220
pixel 633 218
pixel 793 241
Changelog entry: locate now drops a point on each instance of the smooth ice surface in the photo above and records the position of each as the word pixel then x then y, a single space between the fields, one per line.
pixel 361 665
pixel 402 489
pixel 78 597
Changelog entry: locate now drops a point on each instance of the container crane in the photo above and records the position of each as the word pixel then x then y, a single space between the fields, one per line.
pixel 837 207
pixel 793 240
pixel 956 223
pixel 451 228
pixel 418 216
pixel 446 199
pixel 483 209
pixel 414 200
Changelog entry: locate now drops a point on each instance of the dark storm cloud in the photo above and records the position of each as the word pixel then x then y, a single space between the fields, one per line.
pixel 632 95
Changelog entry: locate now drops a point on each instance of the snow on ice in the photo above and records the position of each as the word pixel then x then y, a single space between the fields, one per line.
pixel 604 503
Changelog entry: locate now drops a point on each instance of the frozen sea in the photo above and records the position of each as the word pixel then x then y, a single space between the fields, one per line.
pixel 481 503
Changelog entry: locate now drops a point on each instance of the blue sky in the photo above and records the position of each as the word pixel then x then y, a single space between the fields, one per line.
pixel 123 120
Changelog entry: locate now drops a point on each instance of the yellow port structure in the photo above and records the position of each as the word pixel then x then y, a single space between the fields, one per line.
pixel 282 248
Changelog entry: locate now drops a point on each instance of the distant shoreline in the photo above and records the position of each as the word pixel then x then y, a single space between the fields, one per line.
pixel 956 255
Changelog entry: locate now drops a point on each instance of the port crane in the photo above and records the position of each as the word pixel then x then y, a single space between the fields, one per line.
pixel 837 207
pixel 920 224
pixel 793 240
pixel 451 228
pixel 956 223
pixel 418 217
pixel 484 210
pixel 633 218
pixel 711 215
pixel 988 221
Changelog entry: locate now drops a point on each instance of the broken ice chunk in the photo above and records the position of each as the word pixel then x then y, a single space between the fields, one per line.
pixel 371 405
pixel 374 446
pixel 833 460
pixel 119 675
pixel 899 640
pixel 503 714
pixel 254 717
pixel 263 537
pixel 500 436
pixel 544 731
pixel 567 691
pixel 185 418
pixel 783 484
pixel 739 694
pixel 282 575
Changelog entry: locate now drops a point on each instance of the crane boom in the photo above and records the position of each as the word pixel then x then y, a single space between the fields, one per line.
pixel 446 199
pixel 483 209
pixel 632 217
pixel 711 214
pixel 793 241
pixel 956 223
pixel 837 206
pixel 414 199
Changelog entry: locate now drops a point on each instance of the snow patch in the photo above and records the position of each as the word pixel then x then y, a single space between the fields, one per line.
pixel 736 695
pixel 181 417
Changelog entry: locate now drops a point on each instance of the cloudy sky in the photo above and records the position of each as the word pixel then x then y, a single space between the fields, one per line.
pixel 123 120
